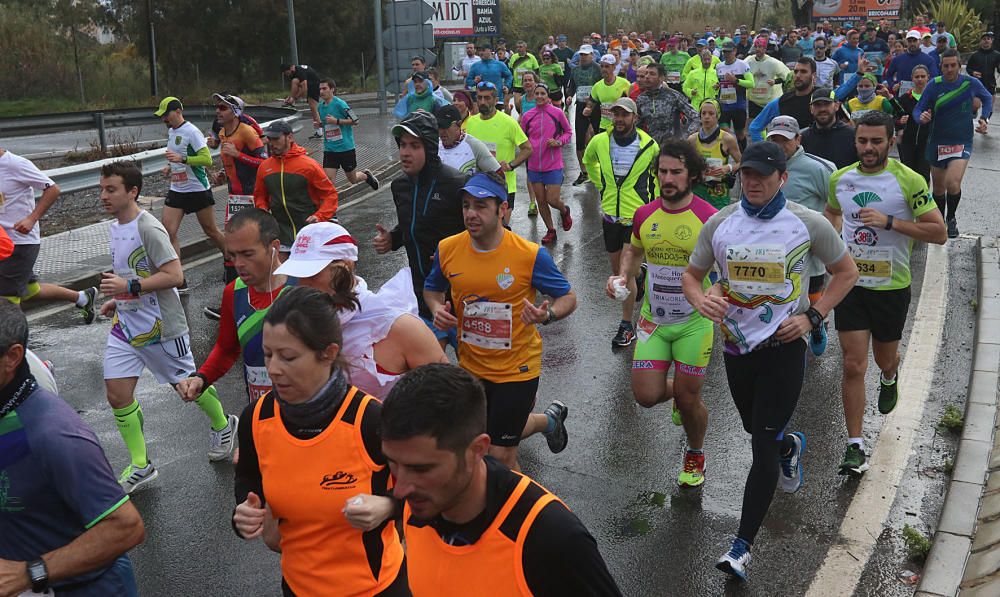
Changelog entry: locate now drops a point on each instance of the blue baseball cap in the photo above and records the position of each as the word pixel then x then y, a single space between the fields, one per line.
pixel 482 186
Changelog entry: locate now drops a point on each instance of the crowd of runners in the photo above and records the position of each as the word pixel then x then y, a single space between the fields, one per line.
pixel 745 184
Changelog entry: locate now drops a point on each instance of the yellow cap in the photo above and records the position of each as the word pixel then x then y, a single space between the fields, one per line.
pixel 169 103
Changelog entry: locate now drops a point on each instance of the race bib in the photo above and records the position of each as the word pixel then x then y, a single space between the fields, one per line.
pixel 125 302
pixel 332 132
pixel 606 110
pixel 488 325
pixel 237 203
pixel 756 269
pixel 674 77
pixel 258 382
pixel 761 91
pixel 874 265
pixel 644 328
pixel 582 93
pixel 945 152
pixel 667 303
pixel 178 172
pixel 727 93
pixel 905 86
pixel 857 114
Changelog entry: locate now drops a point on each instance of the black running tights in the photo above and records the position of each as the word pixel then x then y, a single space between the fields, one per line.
pixel 765 385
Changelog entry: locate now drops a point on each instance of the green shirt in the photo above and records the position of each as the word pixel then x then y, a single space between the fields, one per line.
pixel 502 136
pixel 522 64
pixel 605 95
pixel 882 256
pixel 548 73
pixel 674 63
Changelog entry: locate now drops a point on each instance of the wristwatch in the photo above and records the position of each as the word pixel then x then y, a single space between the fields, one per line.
pixel 815 319
pixel 551 318
pixel 39 575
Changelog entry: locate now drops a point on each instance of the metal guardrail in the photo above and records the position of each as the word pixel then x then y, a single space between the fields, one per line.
pixel 72 121
pixel 87 176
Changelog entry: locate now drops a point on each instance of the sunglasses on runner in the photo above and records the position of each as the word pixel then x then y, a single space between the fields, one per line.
pixel 486 85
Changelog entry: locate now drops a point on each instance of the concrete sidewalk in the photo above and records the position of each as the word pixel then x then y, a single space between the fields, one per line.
pixel 965 557
pixel 76 258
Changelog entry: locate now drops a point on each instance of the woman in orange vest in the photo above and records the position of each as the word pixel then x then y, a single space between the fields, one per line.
pixel 311 478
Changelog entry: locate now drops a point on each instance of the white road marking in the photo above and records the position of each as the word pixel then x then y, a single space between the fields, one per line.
pixel 872 502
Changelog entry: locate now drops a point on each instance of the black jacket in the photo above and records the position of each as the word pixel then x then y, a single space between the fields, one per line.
pixel 835 143
pixel 986 62
pixel 428 206
pixel 913 132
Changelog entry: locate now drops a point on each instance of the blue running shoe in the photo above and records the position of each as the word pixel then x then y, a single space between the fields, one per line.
pixel 818 340
pixel 736 560
pixel 791 467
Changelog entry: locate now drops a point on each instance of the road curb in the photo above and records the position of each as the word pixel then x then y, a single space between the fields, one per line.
pixel 965 555
pixel 195 248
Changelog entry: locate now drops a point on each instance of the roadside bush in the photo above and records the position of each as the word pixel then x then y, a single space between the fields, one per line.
pixel 963 22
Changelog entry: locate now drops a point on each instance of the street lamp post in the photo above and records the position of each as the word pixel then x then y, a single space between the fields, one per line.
pixel 291 32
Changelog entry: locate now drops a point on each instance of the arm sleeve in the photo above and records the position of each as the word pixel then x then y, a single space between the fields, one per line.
pixel 567 134
pixel 397 233
pixel 746 81
pixel 831 197
pixel 546 277
pixel 918 196
pixel 435 280
pixel 202 157
pixel 248 467
pixel 370 422
pixel 703 256
pixel 928 97
pixel 692 117
pixel 323 193
pixel 227 345
pixel 78 469
pixel 485 162
pixel 759 123
pixel 987 98
pixel 470 78
pixel 827 245
pixel 27 173
pixel 560 557
pixel 890 73
pixel 261 198
pixel 847 87
pixel 591 163
pixel 253 151
pixel 508 77
pixel 156 242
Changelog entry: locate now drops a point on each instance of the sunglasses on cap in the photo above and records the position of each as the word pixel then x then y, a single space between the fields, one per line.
pixel 486 85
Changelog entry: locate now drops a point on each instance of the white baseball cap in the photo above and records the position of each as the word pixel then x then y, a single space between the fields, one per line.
pixel 912 34
pixel 586 49
pixel 316 246
pixel 608 59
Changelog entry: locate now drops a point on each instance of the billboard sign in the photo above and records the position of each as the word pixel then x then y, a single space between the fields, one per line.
pixel 464 18
pixel 856 10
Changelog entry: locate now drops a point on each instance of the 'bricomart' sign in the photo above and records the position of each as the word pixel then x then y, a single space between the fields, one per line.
pixel 458 18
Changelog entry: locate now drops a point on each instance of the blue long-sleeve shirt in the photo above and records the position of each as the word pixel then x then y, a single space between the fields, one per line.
pixel 901 66
pixel 491 70
pixel 951 107
pixel 846 53
pixel 772 108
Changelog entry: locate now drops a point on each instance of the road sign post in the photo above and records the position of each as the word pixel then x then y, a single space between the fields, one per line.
pixel 408 34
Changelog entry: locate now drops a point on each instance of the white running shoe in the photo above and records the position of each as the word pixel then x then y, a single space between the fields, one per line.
pixel 133 478
pixel 222 442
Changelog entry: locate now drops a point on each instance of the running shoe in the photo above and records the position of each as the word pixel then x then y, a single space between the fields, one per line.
pixel 952 228
pixel 549 238
pixel 675 415
pixel 213 313
pixel 532 208
pixel 693 474
pixel 580 179
pixel 89 313
pixel 854 463
pixel 791 466
pixel 566 219
pixel 888 394
pixel 183 288
pixel 370 179
pixel 625 335
pixel 133 477
pixel 818 340
pixel 317 134
pixel 559 437
pixel 222 442
pixel 736 560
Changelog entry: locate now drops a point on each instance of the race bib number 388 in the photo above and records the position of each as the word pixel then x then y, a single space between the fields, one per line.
pixel 487 325
pixel 756 269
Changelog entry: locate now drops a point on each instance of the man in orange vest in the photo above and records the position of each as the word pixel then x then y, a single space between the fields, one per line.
pixel 470 521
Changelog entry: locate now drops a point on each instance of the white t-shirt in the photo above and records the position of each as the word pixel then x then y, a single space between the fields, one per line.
pixel 18 179
pixel 622 158
pixel 826 70
pixel 187 140
pixel 728 92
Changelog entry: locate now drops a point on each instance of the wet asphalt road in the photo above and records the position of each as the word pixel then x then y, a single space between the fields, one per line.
pixel 619 471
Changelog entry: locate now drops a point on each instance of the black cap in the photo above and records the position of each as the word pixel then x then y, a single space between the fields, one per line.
pixel 277 129
pixel 728 46
pixel 447 116
pixel 988 34
pixel 418 75
pixel 822 94
pixel 764 157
